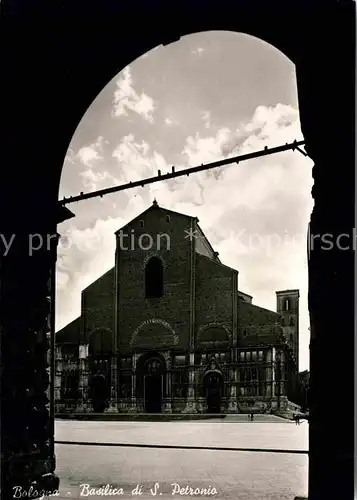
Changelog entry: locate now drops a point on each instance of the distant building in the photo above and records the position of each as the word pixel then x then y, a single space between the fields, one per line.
pixel 171 332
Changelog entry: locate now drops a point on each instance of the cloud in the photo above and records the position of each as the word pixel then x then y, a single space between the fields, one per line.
pixel 83 256
pixel 206 118
pixel 255 213
pixel 170 122
pixel 89 154
pixel 127 99
pixel 198 52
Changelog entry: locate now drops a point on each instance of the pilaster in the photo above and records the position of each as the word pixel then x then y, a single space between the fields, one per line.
pixel 273 374
pixel 134 407
pixel 113 404
pixel 167 399
pixel 84 404
pixel 191 406
pixel 268 371
pixel 233 403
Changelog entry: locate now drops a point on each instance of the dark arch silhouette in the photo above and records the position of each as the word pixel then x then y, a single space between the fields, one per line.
pixel 213 385
pixel 53 45
pixel 212 336
pixel 150 381
pixel 154 278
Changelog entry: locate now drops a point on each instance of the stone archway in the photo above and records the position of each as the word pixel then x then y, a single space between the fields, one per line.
pixel 150 381
pixel 318 40
pixel 213 384
pixel 154 333
pixel 213 336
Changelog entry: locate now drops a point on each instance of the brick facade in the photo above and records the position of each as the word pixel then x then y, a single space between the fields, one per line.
pixel 195 344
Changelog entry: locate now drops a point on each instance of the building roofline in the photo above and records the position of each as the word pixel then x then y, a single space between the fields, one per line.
pixel 218 262
pixel 99 278
pixel 246 294
pixel 206 239
pixel 154 206
pixel 295 290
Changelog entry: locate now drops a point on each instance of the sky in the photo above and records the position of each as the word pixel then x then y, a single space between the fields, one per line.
pixel 209 96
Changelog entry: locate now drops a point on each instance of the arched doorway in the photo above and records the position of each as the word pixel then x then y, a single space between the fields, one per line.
pixel 153 385
pixel 150 381
pixel 213 387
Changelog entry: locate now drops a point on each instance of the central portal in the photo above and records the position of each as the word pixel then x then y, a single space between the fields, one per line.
pixel 153 385
pixel 213 393
pixel 213 386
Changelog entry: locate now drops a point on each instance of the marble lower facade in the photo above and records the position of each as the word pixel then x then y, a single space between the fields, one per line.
pixel 166 382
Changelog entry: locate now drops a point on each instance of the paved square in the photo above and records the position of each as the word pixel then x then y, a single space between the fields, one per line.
pixel 233 474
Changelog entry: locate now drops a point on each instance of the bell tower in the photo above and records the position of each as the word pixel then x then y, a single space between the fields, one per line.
pixel 287 305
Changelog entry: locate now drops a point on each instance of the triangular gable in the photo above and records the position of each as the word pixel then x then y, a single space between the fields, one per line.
pixel 154 206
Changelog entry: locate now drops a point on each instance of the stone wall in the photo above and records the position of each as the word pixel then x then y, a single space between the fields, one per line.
pixel 98 305
pixel 170 244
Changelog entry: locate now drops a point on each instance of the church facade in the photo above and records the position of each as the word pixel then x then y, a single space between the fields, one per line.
pixel 169 330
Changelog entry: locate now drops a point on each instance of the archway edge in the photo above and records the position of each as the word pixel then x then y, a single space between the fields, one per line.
pixel 146 356
pixel 69 65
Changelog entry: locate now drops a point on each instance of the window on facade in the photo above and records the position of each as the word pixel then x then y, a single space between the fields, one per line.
pixel 70 384
pixel 125 385
pixel 168 218
pixel 262 378
pixel 179 360
pixel 287 305
pixel 141 223
pixel 154 278
pixel 292 322
pixel 126 363
pixel 242 357
pixel 222 357
pixel 248 356
pixel 180 382
pixel 254 355
pixel 260 355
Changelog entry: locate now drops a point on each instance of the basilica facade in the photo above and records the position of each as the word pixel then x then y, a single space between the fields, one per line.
pixel 169 330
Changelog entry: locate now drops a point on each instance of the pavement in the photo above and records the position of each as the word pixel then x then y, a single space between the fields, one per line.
pixel 125 472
